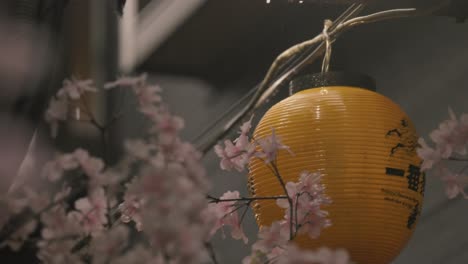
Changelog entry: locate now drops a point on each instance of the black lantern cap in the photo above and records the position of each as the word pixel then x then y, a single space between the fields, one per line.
pixel 332 79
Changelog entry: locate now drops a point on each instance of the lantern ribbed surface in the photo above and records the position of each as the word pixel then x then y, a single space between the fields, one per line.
pixel 364 146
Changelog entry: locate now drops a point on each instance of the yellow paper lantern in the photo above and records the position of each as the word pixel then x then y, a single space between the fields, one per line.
pixel 364 146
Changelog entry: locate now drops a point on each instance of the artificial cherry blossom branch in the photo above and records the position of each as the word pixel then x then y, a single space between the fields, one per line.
pixel 245 211
pixel 451 141
pixel 21 219
pixel 290 201
pixel 103 128
pixel 236 154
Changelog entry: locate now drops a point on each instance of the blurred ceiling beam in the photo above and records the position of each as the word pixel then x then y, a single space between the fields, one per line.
pixel 142 32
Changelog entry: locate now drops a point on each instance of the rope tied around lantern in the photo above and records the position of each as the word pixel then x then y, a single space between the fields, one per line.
pixel 327 24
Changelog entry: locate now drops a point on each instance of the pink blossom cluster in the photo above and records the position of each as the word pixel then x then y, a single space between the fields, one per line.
pixel 302 204
pixel 274 243
pixel 307 197
pixel 63 223
pixel 166 196
pixel 236 154
pixel 289 253
pixel 227 216
pixel 58 109
pixel 167 203
pixel 295 255
pixel 450 140
pixel 156 195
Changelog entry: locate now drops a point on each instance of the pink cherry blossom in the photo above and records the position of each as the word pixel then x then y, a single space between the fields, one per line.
pixel 292 189
pixel 56 112
pixel 37 201
pixel 236 155
pixel 111 178
pixel 91 166
pixel 58 252
pixel 451 136
pixel 455 184
pixel 109 246
pixel 245 127
pixel 463 123
pixel 61 195
pixel 27 197
pixel 92 211
pixel 17 239
pixel 226 163
pixel 12 205
pixel 139 149
pixel 294 255
pixel 227 215
pixel 52 170
pixel 307 196
pixel 165 198
pixel 148 95
pixel 139 255
pixel 57 224
pixel 243 141
pixel 276 252
pixel 74 88
pixel 68 161
pixel 429 155
pixel 232 156
pixel 170 187
pixel 191 159
pixel 98 174
pixel 132 205
pixel 289 253
pixel 127 81
pixel 167 126
pixel 271 237
pixel 270 146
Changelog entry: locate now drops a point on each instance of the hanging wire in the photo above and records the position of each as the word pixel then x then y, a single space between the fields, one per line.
pixel 224 115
